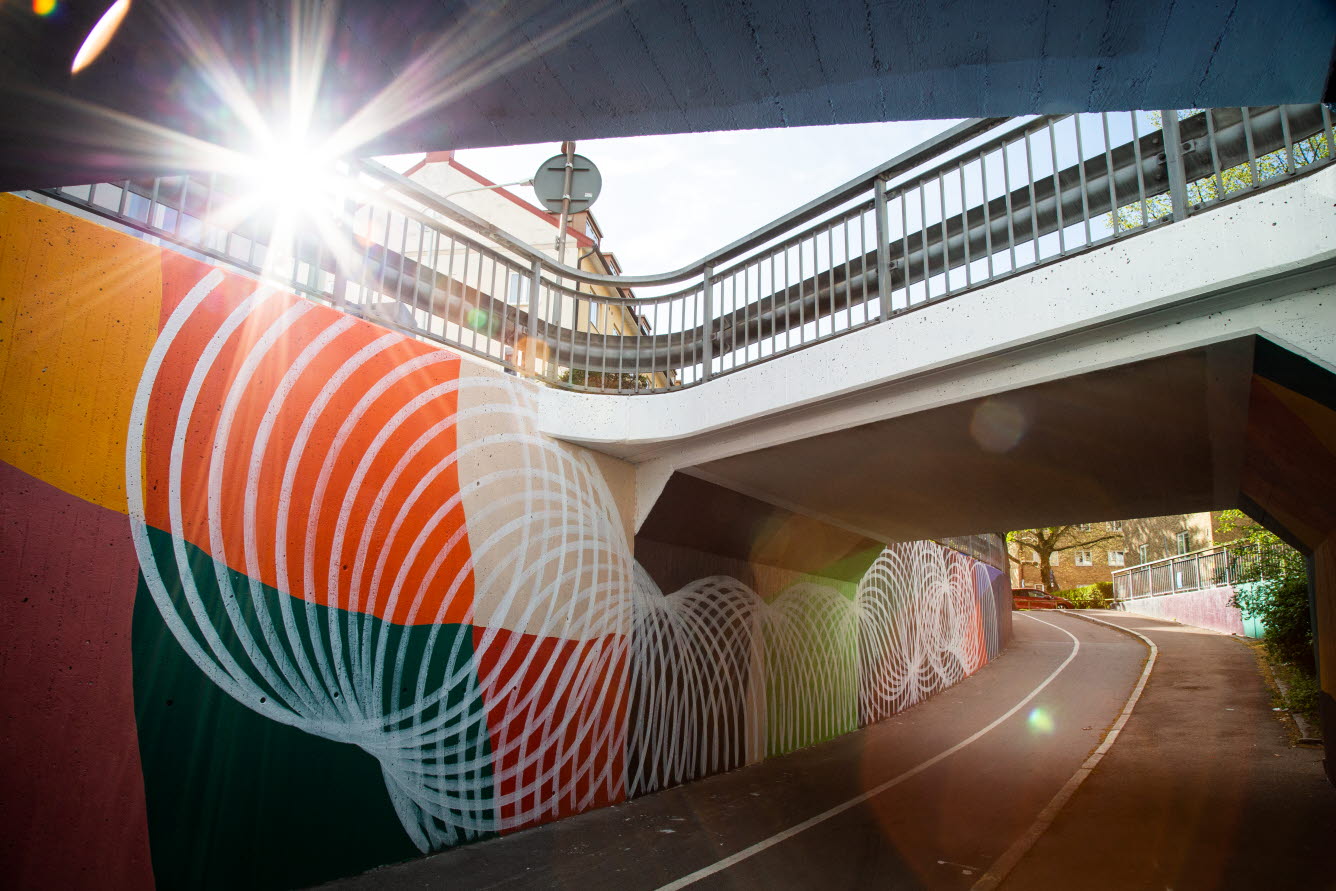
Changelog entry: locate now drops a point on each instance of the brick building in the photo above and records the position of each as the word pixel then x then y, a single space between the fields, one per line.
pixel 1135 542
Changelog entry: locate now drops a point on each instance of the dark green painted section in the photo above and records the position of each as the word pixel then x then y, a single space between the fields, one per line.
pixel 236 800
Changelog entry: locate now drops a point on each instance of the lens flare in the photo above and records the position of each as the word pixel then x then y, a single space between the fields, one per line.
pixel 477 319
pixel 43 7
pixel 1040 721
pixel 100 36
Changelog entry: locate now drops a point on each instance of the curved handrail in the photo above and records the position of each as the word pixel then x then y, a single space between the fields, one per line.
pixel 948 139
pixel 830 266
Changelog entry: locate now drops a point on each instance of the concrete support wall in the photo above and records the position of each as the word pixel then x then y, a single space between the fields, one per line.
pixel 291 596
pixel 1208 608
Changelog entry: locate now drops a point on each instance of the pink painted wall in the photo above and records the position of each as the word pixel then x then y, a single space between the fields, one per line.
pixel 1208 608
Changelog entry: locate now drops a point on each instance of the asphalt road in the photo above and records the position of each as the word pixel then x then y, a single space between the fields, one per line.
pixel 930 798
pixel 1202 789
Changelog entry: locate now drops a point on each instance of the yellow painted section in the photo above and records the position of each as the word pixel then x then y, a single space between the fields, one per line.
pixel 79 309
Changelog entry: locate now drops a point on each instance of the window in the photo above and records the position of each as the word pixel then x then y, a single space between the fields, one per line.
pixel 1116 525
pixel 516 292
pixel 1053 559
pixel 1084 527
pixel 1143 553
pixel 1083 559
pixel 1184 542
pixel 1117 558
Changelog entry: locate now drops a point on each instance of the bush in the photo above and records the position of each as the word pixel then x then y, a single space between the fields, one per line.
pixel 1096 596
pixel 1282 607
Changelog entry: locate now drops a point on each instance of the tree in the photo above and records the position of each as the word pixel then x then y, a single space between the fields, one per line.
pixel 1207 189
pixel 1053 540
pixel 1271 583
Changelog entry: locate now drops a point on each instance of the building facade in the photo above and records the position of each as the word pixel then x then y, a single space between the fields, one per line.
pixel 1133 543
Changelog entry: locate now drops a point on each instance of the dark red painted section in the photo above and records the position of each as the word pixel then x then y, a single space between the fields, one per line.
pixel 69 756
pixel 528 692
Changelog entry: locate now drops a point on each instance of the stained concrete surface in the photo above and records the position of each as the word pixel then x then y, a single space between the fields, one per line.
pixel 1202 789
pixel 939 829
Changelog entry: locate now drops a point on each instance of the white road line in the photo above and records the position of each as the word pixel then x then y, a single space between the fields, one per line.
pixel 1007 862
pixel 753 850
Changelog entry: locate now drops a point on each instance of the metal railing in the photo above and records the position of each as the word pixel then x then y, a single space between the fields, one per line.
pixel 985 200
pixel 1215 567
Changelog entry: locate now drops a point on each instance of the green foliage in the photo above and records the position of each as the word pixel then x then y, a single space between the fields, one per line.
pixel 597 380
pixel 1234 179
pixel 1271 583
pixel 1096 596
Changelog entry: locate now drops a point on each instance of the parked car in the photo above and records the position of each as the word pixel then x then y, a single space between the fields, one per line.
pixel 1033 598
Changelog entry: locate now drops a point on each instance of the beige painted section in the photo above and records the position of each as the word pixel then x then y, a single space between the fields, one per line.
pixel 549 523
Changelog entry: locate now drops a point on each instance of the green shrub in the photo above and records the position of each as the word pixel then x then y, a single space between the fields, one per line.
pixel 1096 596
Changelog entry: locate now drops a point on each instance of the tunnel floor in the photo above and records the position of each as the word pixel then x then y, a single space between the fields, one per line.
pixel 1201 789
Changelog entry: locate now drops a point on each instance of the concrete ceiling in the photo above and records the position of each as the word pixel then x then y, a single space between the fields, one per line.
pixel 1156 437
pixel 494 72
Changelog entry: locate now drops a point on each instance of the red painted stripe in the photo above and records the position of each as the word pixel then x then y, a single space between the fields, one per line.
pixel 69 752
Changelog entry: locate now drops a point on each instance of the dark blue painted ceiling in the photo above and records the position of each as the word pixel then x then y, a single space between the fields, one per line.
pixel 491 72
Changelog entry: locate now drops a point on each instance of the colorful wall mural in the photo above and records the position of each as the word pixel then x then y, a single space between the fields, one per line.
pixel 290 596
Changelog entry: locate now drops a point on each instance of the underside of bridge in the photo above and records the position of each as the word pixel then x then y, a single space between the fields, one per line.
pixel 421 76
pixel 1243 423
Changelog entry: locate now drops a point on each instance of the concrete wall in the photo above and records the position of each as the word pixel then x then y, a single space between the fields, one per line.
pixel 290 596
pixel 1208 608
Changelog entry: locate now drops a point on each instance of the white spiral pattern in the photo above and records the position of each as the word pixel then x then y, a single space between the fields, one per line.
pixel 575 680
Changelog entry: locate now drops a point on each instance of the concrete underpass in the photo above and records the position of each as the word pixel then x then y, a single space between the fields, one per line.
pixel 366 544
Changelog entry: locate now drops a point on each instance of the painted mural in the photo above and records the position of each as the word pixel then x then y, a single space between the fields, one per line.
pixel 292 596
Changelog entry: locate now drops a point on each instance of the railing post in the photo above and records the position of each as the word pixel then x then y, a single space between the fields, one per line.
pixel 707 299
pixel 1173 159
pixel 883 249
pixel 535 289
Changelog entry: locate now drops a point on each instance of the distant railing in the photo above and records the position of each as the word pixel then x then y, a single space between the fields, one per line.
pixel 985 200
pixel 1215 567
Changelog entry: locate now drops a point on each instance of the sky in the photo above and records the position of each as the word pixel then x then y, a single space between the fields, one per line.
pixel 669 200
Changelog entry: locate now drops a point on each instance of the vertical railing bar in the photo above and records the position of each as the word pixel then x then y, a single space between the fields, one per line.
pixel 733 315
pixel 774 290
pixel 153 203
pixel 1011 213
pixel 904 239
pixel 403 259
pixel 862 251
pixel 830 275
pixel 965 222
pixel 1057 186
pixel 987 215
pixel 1289 139
pixel 1256 180
pixel 802 303
pixel 208 210
pixel 946 234
pixel 1173 159
pixel 923 239
pixel 181 209
pixel 707 324
pixel 1141 177
pixel 1108 172
pixel 464 302
pixel 125 198
pixel 1215 156
pixel 881 226
pixel 1029 182
pixel 364 267
pixel 1081 168
pixel 848 282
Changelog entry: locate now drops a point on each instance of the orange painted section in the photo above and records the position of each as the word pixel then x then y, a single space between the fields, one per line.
pixel 79 308
pixel 332 525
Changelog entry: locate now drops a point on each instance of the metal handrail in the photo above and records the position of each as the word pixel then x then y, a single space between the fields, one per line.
pixel 984 200
pixel 1217 566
